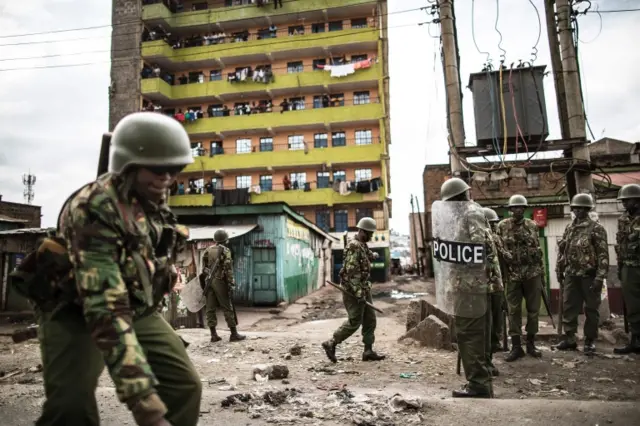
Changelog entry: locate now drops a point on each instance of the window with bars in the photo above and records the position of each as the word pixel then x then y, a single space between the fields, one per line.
pixel 338 139
pixel 358 58
pixel 298 180
pixel 335 26
pixel 197 150
pixel 317 62
pixel 215 111
pixel 320 140
pixel 297 104
pixel 340 175
pixel 216 148
pixel 533 181
pixel 337 99
pixel 359 23
pixel 296 142
pixel 363 174
pixel 296 30
pixel 323 219
pixel 363 137
pixel 318 28
pixel 322 180
pixel 266 144
pixel 216 183
pixel 360 213
pixel 215 75
pixel 243 146
pixel 341 220
pixel 294 67
pixel 266 183
pixel 361 98
pixel 243 182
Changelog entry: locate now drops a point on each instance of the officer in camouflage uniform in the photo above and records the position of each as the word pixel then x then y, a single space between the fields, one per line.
pixel 582 266
pixel 473 331
pixel 218 264
pixel 121 239
pixel 525 268
pixel 355 279
pixel 628 254
pixel 496 289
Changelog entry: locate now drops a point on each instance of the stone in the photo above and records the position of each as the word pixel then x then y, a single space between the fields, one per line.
pixel 431 332
pixel 416 312
pixel 272 371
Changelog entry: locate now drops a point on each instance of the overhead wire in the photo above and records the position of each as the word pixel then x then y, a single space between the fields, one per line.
pixel 534 53
pixel 576 39
pixel 495 26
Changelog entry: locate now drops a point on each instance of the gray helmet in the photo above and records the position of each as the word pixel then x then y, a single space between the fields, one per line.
pixel 518 201
pixel 149 139
pixel 220 236
pixel 582 200
pixel 630 190
pixel 453 187
pixel 367 224
pixel 491 215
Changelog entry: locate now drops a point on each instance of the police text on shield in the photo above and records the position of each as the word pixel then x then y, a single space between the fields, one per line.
pixel 460 253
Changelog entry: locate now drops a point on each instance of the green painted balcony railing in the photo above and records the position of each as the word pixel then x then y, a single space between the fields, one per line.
pixel 191 200
pixel 159 87
pixel 324 197
pixel 224 14
pixel 160 49
pixel 350 154
pixel 308 117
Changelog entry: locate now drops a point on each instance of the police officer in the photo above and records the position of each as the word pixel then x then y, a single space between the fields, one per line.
pixel 355 279
pixel 628 254
pixel 473 331
pixel 219 286
pixel 114 228
pixel 525 268
pixel 582 266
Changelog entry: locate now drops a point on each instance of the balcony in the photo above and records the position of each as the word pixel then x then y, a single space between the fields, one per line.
pixel 260 51
pixel 316 197
pixel 228 18
pixel 283 157
pixel 191 200
pixel 317 118
pixel 158 90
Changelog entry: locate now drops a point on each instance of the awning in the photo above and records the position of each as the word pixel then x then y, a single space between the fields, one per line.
pixel 206 232
pixel 10 219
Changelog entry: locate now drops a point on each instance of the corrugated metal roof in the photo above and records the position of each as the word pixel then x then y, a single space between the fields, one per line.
pixel 26 231
pixel 4 218
pixel 206 232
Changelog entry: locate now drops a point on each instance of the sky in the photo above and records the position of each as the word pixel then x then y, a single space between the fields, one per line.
pixel 52 115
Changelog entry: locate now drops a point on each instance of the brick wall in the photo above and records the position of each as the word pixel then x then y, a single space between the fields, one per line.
pixel 124 94
pixel 22 211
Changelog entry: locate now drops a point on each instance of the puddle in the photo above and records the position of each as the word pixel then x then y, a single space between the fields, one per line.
pixel 395 294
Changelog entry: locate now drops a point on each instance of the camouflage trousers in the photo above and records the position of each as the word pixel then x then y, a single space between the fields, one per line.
pixel 359 314
pixel 72 365
pixel 631 295
pixel 218 296
pixel 496 302
pixel 531 291
pixel 576 293
pixel 474 344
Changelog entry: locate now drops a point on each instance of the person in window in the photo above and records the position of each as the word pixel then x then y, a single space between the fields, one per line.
pixel 286 182
pixel 179 116
pixel 181 188
pixel 276 2
pixel 284 105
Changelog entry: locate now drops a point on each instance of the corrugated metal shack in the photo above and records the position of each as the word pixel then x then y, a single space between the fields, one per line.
pixel 278 255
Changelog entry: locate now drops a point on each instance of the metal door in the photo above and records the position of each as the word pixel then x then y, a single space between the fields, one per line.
pixel 264 277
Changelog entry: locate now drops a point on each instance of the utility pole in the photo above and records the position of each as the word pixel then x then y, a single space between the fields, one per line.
pixel 556 65
pixel 423 240
pixel 574 106
pixel 452 83
pixel 415 239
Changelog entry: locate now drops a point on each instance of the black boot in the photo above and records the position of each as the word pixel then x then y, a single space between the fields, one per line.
pixel 531 347
pixel 516 350
pixel 235 337
pixel 330 349
pixel 589 347
pixel 467 392
pixel 370 355
pixel 633 347
pixel 214 335
pixel 567 345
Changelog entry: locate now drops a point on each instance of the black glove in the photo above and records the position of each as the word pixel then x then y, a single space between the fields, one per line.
pixel 596 287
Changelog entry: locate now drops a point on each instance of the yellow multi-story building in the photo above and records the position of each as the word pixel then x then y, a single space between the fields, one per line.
pixel 287 104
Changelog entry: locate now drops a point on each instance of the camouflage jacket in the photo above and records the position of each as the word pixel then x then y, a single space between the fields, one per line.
pixel 356 267
pixel 583 250
pixel 522 249
pixel 224 270
pixel 628 241
pixel 122 252
pixel 497 285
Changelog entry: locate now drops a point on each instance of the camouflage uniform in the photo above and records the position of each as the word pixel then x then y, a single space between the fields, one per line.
pixel 496 295
pixel 583 256
pixel 628 255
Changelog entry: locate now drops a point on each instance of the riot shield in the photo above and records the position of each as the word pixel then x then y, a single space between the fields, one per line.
pixel 461 235
pixel 192 295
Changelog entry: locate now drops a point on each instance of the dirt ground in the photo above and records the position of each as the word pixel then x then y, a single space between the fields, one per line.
pixel 411 386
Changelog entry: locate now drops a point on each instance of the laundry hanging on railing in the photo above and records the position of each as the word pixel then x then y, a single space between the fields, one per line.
pixel 347 69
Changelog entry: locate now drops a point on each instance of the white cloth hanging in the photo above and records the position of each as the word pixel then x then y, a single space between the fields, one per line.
pixel 344 188
pixel 340 70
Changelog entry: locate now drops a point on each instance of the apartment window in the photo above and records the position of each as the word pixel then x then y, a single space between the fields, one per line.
pixel 298 180
pixel 320 140
pixel 358 58
pixel 243 182
pixel 200 6
pixel 335 26
pixel 296 142
pixel 337 99
pixel 318 28
pixel 216 148
pixel 264 33
pixel 533 181
pixel 317 62
pixel 266 144
pixel 363 174
pixel 296 30
pixel 361 98
pixel 216 183
pixel 197 150
pixel 359 23
pixel 215 75
pixel 360 213
pixel 339 175
pixel 297 104
pixel 243 146
pixel 363 137
pixel 317 101
pixel 322 180
pixel 266 183
pixel 294 67
pixel 323 219
pixel 338 139
pixel 215 111
pixel 341 220
pixel 196 186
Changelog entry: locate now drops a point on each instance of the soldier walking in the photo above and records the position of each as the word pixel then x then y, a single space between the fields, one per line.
pixel 354 277
pixel 219 286
pixel 472 304
pixel 121 240
pixel 582 266
pixel 628 254
pixel 525 268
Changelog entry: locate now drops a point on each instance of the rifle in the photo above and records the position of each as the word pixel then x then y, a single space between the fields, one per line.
pixel 545 299
pixel 346 292
pixel 505 334
pixel 560 308
pixel 626 320
pixel 103 160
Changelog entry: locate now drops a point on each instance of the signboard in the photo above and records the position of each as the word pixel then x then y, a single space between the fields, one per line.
pixel 540 217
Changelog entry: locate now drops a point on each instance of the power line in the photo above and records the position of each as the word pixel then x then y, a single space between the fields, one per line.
pixel 620 10
pixel 233 47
